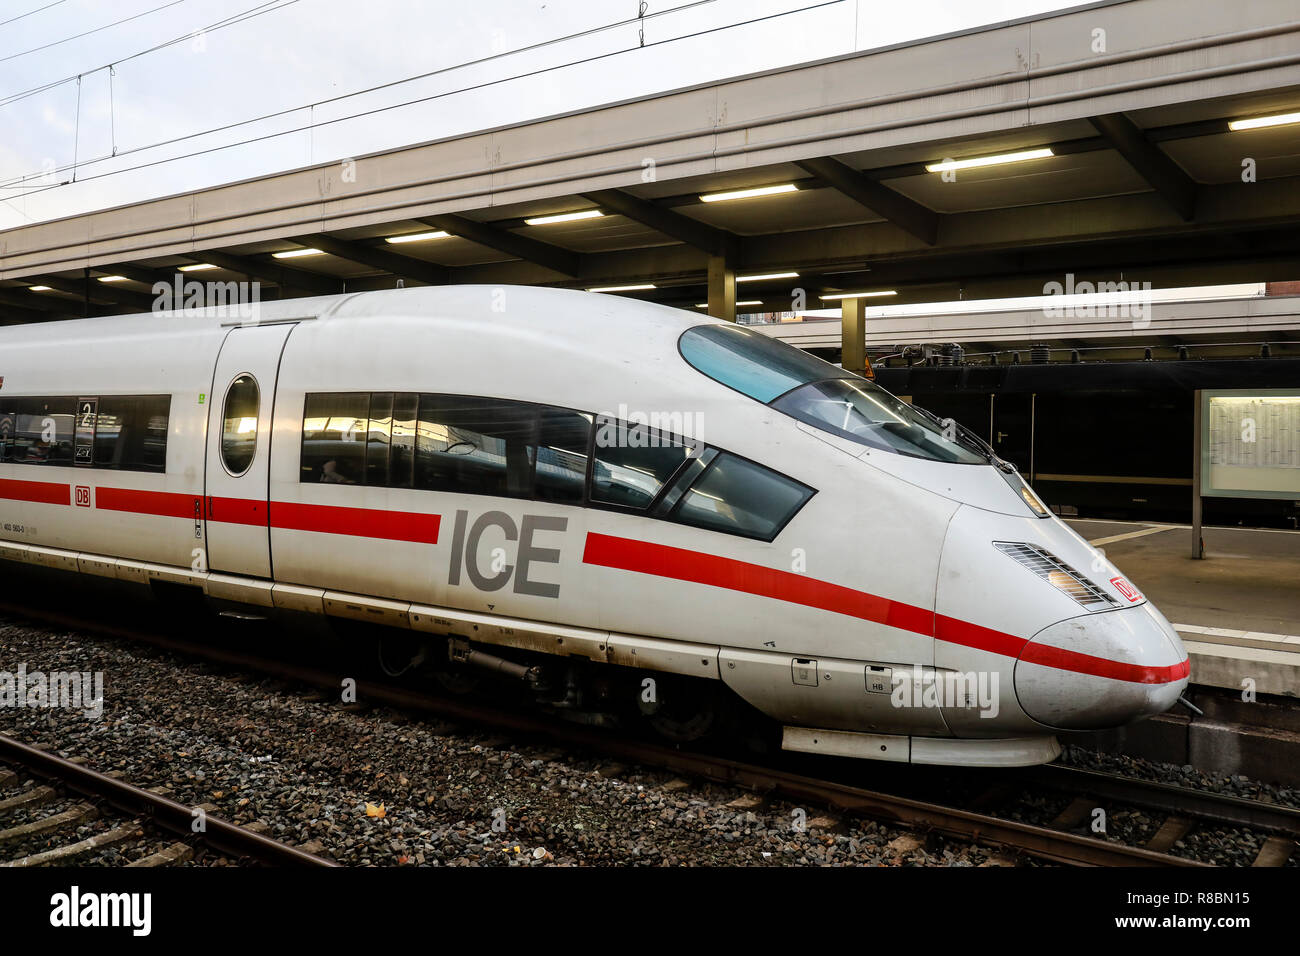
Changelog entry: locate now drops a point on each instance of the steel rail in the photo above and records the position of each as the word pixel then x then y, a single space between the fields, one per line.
pixel 1171 798
pixel 222 835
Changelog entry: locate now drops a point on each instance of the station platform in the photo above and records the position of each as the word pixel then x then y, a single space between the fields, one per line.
pixel 1238 609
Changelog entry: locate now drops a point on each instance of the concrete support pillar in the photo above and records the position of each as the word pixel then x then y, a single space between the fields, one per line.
pixel 722 289
pixel 853 335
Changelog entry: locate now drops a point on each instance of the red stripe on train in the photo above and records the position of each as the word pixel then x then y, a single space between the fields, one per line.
pixel 1061 659
pixel 361 522
pixel 326 519
pixel 954 631
pixel 166 504
pixel 680 564
pixel 629 555
pixel 41 492
pixel 237 511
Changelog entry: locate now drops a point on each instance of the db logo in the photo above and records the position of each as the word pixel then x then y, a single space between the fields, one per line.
pixel 1129 592
pixel 83 496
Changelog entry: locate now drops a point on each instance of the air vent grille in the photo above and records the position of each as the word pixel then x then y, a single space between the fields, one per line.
pixel 1057 573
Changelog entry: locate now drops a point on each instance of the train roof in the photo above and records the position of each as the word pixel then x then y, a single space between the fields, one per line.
pixel 559 311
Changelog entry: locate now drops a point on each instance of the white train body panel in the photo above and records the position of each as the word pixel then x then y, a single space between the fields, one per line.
pixel 885 574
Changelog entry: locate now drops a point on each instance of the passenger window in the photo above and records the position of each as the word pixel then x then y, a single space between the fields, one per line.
pixel 37 431
pixel 486 446
pixel 477 446
pixel 131 432
pixel 736 496
pixel 334 433
pixel 563 438
pixel 238 429
pixel 633 463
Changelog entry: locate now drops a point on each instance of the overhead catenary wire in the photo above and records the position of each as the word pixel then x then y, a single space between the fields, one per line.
pixel 382 109
pixel 30 12
pixel 479 61
pixel 107 26
pixel 268 6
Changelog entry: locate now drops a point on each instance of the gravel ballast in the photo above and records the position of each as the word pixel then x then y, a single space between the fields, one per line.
pixel 379 787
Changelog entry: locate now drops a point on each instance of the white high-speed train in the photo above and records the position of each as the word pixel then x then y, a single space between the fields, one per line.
pixel 584 492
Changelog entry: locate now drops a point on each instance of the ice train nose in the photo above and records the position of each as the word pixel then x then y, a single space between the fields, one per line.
pixel 1102 670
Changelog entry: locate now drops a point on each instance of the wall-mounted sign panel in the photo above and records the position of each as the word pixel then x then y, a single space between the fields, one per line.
pixel 1250 443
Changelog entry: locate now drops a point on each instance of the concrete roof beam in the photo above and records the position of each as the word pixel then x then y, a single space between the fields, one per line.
pixel 1151 162
pixel 907 214
pixel 553 257
pixel 406 267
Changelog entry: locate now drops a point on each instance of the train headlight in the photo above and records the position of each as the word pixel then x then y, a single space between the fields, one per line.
pixel 1057 573
pixel 1031 499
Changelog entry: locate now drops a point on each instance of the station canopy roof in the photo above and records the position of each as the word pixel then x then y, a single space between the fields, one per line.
pixel 1104 142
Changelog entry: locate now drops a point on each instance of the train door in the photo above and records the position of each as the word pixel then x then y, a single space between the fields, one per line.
pixel 1012 431
pixel 239 450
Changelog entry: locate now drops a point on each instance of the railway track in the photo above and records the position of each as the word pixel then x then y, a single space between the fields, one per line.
pixel 1056 843
pixel 1186 809
pixel 44 796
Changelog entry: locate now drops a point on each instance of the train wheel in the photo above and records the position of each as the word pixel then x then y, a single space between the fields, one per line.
pixel 679 710
pixel 457 680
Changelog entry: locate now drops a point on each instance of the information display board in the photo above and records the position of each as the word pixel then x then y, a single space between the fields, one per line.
pixel 1250 443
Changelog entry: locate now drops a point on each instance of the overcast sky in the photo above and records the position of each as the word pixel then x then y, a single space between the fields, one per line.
pixel 312 50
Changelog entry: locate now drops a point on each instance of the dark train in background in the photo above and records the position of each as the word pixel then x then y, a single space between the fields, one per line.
pixel 1106 439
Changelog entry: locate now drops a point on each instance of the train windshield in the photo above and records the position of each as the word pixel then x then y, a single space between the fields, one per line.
pixel 822 395
pixel 752 363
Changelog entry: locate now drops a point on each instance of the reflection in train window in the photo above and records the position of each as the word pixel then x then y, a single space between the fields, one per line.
pixel 378 434
pixel 334 433
pixel 472 445
pixel 238 425
pixel 37 431
pixel 562 444
pixel 130 431
pixel 481 446
pixel 737 496
pixel 633 462
pixel 401 455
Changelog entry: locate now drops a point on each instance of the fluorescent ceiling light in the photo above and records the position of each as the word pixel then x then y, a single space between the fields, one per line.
pixel 1259 122
pixel 749 193
pixel 418 237
pixel 295 253
pixel 112 278
pixel 197 267
pixel 768 275
pixel 39 288
pixel 565 217
pixel 705 305
pixel 858 295
pixel 998 160
pixel 623 288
